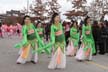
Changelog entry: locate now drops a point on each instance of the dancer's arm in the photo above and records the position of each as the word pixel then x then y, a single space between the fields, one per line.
pixel 24 39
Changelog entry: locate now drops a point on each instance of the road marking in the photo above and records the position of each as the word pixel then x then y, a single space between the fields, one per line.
pixel 98 65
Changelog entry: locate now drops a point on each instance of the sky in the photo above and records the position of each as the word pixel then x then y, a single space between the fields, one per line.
pixel 20 4
pixel 12 4
pixel 7 5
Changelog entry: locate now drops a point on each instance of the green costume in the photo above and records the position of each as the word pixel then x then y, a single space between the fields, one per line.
pixel 40 30
pixel 40 35
pixel 88 38
pixel 56 41
pixel 74 36
pixel 29 38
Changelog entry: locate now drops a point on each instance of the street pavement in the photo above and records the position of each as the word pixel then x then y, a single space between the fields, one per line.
pixel 9 55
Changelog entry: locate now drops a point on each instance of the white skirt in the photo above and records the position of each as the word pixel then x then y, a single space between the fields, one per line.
pixel 20 51
pixel 81 54
pixel 31 57
pixel 70 49
pixel 53 63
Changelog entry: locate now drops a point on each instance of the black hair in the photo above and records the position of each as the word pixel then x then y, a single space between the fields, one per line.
pixel 82 22
pixel 25 18
pixel 76 25
pixel 95 23
pixel 106 23
pixel 85 21
pixel 53 17
pixel 72 24
pixel 38 22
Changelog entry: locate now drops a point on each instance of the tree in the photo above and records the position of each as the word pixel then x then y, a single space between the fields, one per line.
pixel 43 9
pixel 78 9
pixel 38 9
pixel 54 6
pixel 98 9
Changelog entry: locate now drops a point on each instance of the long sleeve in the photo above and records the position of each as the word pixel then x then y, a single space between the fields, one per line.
pixel 52 36
pixel 74 34
pixel 24 40
pixel 38 38
pixel 83 31
pixel 24 35
pixel 47 47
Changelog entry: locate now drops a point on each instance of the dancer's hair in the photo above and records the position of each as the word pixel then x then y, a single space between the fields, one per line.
pixel 53 17
pixel 85 21
pixel 23 22
pixel 76 25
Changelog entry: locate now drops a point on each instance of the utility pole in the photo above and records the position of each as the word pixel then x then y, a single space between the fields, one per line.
pixel 27 7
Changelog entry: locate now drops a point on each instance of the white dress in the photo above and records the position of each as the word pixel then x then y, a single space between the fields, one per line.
pixel 54 64
pixel 30 56
pixel 81 54
pixel 70 48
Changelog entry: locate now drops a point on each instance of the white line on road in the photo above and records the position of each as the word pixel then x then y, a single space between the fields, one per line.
pixel 98 65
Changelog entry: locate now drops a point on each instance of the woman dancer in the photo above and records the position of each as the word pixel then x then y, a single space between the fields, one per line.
pixel 74 40
pixel 40 31
pixel 29 43
pixel 88 45
pixel 57 43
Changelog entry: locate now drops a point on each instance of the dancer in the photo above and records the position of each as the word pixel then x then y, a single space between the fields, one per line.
pixel 29 43
pixel 88 46
pixel 74 40
pixel 40 31
pixel 58 44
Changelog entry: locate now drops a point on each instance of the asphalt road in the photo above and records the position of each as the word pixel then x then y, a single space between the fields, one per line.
pixel 9 55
